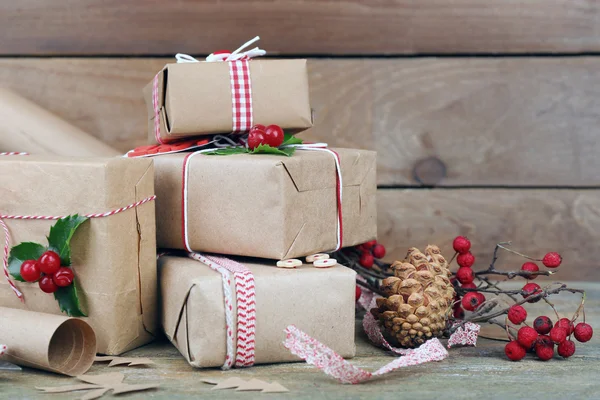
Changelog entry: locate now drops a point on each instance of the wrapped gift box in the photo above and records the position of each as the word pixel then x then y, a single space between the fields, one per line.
pixel 266 206
pixel 318 301
pixel 195 98
pixel 114 258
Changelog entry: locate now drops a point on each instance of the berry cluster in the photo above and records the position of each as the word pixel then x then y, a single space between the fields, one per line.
pixel 271 135
pixel 369 252
pixel 47 271
pixel 544 335
pixel 466 277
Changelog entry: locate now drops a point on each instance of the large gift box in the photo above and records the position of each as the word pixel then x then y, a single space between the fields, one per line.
pixel 113 257
pixel 190 99
pixel 267 206
pixel 318 301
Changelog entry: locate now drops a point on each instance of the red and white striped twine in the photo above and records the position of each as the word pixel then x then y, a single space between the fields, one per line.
pixel 245 332
pixel 14 153
pixel 7 238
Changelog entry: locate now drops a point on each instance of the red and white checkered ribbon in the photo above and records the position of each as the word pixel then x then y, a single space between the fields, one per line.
pixel 245 298
pixel 240 83
pixel 7 238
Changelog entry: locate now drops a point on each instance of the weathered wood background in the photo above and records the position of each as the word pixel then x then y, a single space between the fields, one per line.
pixel 501 130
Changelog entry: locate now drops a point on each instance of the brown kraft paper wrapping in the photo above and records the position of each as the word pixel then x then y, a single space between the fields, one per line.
pixel 27 127
pixel 114 258
pixel 51 342
pixel 195 98
pixel 266 206
pixel 318 301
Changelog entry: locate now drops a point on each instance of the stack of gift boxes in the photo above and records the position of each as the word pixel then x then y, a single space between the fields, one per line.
pixel 218 222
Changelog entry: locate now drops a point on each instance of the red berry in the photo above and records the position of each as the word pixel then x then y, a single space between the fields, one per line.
pixel 461 244
pixel 63 277
pixel 465 260
pixel 542 325
pixel 369 245
pixel 378 251
pixel 258 127
pixel 527 336
pixel 255 139
pixel 358 292
pixel 566 349
pixel 583 332
pixel 366 260
pixel 470 285
pixel 552 260
pixel 47 284
pixel 273 135
pixel 558 335
pixel 459 312
pixel 566 324
pixel 49 262
pixel 481 297
pixel 514 351
pixel 517 314
pixel 531 289
pixel 471 301
pixel 544 353
pixel 530 267
pixel 30 270
pixel 465 275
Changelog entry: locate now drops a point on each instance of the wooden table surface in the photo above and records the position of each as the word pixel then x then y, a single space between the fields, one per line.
pixel 481 373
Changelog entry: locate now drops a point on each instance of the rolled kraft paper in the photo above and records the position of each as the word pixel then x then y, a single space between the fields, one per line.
pixel 27 127
pixel 44 341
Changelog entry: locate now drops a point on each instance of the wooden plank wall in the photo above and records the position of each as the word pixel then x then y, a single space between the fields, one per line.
pixel 494 138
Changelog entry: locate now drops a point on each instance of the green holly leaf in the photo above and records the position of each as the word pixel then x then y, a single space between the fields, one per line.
pixel 59 239
pixel 21 252
pixel 290 139
pixel 266 149
pixel 68 300
pixel 227 151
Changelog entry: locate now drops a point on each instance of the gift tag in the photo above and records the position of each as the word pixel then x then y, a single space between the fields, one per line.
pixel 291 263
pixel 175 147
pixel 329 262
pixel 315 257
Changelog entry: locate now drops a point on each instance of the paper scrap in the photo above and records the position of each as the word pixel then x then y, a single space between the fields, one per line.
pixel 252 385
pixel 242 385
pixel 209 381
pixel 99 385
pixel 130 361
pixel 230 383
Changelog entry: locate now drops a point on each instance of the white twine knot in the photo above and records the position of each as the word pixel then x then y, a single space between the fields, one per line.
pixel 225 55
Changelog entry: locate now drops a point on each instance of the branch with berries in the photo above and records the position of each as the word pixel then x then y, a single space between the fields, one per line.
pixel 480 297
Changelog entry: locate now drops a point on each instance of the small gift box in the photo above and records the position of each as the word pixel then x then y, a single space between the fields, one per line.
pixel 263 300
pixel 191 99
pixel 267 206
pixel 112 254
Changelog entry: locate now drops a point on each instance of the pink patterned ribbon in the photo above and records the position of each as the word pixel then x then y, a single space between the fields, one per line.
pixel 7 238
pixel 245 298
pixel 331 363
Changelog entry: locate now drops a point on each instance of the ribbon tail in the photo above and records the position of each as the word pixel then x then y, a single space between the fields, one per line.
pixel 431 350
pixel 322 357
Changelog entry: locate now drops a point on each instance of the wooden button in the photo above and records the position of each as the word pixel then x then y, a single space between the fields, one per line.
pixel 329 262
pixel 315 257
pixel 291 263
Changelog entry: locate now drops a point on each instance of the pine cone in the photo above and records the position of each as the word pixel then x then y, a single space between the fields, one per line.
pixel 419 297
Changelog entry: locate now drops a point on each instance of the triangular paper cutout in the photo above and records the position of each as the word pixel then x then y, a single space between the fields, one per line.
pixel 274 387
pixel 252 384
pixel 229 384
